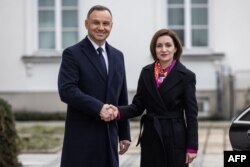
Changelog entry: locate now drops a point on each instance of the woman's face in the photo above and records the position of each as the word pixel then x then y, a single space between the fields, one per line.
pixel 165 50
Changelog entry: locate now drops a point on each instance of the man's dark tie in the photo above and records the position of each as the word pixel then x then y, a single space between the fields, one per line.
pixel 101 57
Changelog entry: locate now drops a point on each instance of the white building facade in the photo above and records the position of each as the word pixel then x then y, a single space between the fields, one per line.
pixel 215 36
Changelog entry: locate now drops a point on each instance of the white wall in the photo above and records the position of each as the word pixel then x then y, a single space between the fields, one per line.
pixel 43 77
pixel 230 25
pixel 205 74
pixel 12 72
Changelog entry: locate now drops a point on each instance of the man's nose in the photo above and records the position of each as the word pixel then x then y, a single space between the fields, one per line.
pixel 101 26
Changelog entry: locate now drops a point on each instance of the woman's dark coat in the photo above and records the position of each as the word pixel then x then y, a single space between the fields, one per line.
pixel 88 140
pixel 170 124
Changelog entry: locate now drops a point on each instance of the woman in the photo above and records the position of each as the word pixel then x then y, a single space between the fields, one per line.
pixel 166 89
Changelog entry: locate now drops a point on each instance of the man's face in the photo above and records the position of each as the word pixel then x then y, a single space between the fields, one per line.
pixel 99 25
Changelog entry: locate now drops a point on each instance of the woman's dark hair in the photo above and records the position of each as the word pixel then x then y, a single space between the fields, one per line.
pixel 171 34
pixel 99 8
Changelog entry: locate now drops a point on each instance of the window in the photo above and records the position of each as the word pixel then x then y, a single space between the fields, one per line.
pixel 189 19
pixel 57 24
pixel 203 106
pixel 245 116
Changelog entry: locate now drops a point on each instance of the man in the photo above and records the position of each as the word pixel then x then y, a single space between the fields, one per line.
pixel 89 79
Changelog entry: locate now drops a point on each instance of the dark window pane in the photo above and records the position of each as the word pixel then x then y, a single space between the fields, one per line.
pixel 69 19
pixel 180 34
pixel 199 1
pixel 199 16
pixel 45 3
pixel 199 37
pixel 69 2
pixel 46 19
pixel 176 16
pixel 69 38
pixel 200 107
pixel 46 40
pixel 175 1
pixel 246 117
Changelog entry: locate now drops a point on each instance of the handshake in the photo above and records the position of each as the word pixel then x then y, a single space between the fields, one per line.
pixel 108 112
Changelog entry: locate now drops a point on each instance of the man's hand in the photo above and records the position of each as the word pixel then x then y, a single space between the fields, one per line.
pixel 115 110
pixel 108 112
pixel 124 145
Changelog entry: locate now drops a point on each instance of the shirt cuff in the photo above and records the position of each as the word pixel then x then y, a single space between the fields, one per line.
pixel 118 115
pixel 190 150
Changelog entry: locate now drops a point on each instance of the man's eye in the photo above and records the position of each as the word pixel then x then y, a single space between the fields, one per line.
pixel 95 22
pixel 106 23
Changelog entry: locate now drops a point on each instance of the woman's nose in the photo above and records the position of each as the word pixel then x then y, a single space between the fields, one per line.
pixel 164 48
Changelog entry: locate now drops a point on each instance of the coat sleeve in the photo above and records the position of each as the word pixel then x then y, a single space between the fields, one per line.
pixel 191 112
pixel 69 91
pixel 123 125
pixel 137 107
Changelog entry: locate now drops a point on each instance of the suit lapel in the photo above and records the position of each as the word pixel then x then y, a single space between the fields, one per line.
pixel 90 52
pixel 111 59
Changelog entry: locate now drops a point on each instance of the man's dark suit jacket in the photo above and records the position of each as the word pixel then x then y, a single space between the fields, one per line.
pixel 88 140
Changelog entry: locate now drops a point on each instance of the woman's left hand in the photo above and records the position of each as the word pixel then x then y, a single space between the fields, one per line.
pixel 190 157
pixel 124 145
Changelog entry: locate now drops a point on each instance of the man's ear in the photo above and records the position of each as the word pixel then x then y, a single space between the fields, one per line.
pixel 86 24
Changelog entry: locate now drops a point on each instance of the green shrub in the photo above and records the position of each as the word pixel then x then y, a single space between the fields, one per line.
pixel 9 139
pixel 40 116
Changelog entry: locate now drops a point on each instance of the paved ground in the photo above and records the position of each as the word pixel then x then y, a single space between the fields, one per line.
pixel 213 140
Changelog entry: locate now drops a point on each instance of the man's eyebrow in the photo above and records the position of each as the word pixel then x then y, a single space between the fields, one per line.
pixel 102 21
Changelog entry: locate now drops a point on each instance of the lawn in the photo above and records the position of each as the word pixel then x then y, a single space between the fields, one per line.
pixel 40 138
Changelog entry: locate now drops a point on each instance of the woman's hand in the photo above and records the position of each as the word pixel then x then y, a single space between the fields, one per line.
pixel 190 157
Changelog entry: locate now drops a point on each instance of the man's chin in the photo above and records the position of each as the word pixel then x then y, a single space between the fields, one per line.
pixel 101 38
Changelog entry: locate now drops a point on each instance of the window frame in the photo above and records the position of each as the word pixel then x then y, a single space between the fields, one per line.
pixel 188 27
pixel 206 105
pixel 58 27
